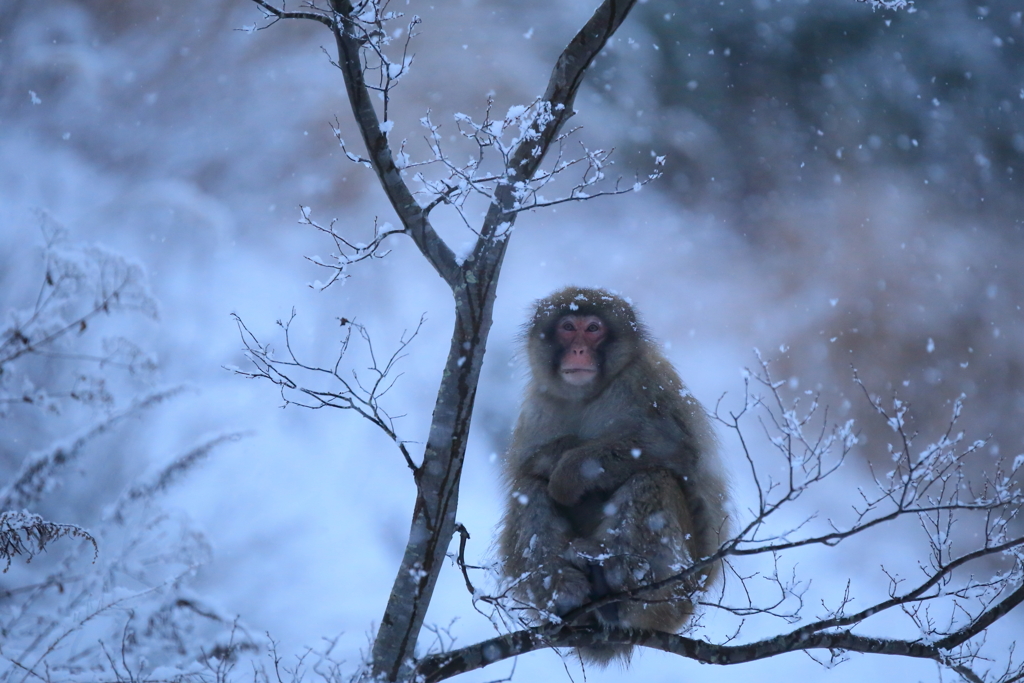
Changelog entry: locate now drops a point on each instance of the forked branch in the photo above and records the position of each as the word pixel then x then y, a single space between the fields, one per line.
pixel 361 40
pixel 298 381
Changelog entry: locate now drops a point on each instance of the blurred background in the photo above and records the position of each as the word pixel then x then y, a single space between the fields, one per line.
pixel 842 189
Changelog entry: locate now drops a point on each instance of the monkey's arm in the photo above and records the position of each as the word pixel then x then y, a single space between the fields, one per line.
pixel 542 460
pixel 604 465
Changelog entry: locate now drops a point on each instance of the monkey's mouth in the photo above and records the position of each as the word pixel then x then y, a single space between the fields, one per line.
pixel 579 376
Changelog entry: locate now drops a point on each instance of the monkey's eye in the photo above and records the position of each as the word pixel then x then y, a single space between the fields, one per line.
pixel 568 326
pixel 593 327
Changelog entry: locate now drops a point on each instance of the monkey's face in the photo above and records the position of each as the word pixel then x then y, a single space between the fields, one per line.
pixel 578 340
pixel 578 337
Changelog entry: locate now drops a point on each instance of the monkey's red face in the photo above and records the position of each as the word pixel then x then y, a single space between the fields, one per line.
pixel 579 337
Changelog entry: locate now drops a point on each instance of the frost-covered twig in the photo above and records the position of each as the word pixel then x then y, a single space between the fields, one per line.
pixel 24 534
pixel 170 474
pixel 358 31
pixel 79 284
pixel 56 613
pixel 147 557
pixel 503 136
pixel 348 253
pixel 37 469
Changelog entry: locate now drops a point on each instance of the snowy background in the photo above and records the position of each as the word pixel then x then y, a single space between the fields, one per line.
pixel 843 187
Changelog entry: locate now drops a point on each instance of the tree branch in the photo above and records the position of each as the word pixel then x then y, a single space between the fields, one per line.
pixel 474 288
pixel 559 96
pixel 448 664
pixel 350 44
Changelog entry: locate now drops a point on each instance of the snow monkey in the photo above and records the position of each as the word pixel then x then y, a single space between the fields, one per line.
pixel 612 473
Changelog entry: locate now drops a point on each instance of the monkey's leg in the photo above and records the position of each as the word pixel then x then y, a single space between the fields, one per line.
pixel 646 532
pixel 536 552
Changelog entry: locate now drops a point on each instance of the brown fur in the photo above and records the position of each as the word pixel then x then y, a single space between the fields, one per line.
pixel 586 516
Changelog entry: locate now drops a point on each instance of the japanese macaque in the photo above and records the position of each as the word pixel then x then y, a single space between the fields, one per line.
pixel 612 474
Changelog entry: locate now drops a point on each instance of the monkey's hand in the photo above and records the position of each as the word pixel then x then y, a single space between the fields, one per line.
pixel 577 473
pixel 542 461
pixel 625 571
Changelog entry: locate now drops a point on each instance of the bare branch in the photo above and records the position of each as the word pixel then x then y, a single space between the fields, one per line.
pixel 278 14
pixel 346 394
pixel 448 664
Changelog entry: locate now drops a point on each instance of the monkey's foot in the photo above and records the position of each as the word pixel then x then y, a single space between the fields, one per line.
pixel 566 589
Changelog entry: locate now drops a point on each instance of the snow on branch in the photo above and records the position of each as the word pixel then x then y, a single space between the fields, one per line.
pixel 78 285
pixel 361 37
pixel 893 5
pixel 25 534
pixel 503 166
pixel 348 253
pixel 59 614
pixel 503 137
